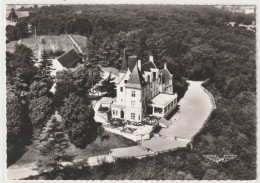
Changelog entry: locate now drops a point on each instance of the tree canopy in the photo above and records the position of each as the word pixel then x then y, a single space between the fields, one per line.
pixel 79 121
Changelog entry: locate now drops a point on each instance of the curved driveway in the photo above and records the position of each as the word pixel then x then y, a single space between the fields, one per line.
pixel 195 107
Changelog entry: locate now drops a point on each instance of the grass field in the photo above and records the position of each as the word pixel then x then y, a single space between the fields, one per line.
pixel 94 149
pixel 51 42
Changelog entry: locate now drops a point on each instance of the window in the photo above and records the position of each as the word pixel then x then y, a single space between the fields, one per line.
pixel 133 104
pixel 125 81
pixel 121 100
pixel 158 110
pixel 133 93
pixel 175 100
pixel 133 116
pixel 139 117
pixel 171 103
pixel 121 89
pixel 165 109
pixel 169 107
pixel 148 78
pixel 154 76
pixel 114 112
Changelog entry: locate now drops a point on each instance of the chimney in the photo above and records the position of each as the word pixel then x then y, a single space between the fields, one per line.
pixel 151 58
pixel 139 64
pixel 165 65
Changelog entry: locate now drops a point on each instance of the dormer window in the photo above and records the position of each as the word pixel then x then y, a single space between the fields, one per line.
pixel 125 81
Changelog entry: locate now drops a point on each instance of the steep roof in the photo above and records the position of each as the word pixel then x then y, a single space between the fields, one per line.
pixel 132 60
pixel 166 75
pixel 128 62
pixel 147 66
pixel 136 79
pixel 124 64
pixel 69 59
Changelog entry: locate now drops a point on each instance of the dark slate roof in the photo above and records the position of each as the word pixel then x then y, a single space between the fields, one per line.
pixel 132 60
pixel 166 75
pixel 136 79
pixel 124 64
pixel 69 59
pixel 147 66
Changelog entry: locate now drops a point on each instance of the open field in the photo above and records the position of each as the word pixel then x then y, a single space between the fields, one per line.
pixel 49 42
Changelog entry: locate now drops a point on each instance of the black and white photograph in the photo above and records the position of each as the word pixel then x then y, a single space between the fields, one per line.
pixel 129 91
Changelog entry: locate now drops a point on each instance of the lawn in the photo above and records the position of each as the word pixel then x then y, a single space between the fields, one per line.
pixel 52 42
pixel 94 149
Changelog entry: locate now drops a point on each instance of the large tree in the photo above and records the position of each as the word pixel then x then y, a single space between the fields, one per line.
pixel 21 64
pixel 12 15
pixel 18 126
pixel 40 103
pixel 79 122
pixel 78 81
pixel 40 110
pixel 108 86
pixel 46 65
pixel 52 146
pixel 11 33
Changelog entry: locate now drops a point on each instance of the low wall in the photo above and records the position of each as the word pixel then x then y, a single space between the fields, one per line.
pixel 211 97
pixel 128 135
pixel 213 108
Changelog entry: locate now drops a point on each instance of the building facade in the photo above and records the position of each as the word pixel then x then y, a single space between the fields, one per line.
pixel 143 90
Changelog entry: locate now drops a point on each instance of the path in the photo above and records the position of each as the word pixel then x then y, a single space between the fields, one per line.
pixel 15 173
pixel 195 107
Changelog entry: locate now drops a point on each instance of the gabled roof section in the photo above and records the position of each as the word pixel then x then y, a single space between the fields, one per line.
pixel 166 75
pixel 124 64
pixel 136 79
pixel 69 59
pixel 147 66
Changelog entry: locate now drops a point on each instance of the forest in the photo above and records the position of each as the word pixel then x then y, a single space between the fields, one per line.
pixel 197 44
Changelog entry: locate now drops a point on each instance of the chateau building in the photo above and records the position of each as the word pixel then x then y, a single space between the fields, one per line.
pixel 143 90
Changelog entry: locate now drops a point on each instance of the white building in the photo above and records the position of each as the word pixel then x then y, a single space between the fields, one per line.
pixel 143 89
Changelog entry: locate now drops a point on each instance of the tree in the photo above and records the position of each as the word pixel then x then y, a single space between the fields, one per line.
pixel 12 15
pixel 52 146
pixel 108 86
pixel 40 104
pixel 11 33
pixel 79 121
pixel 40 88
pixel 18 127
pixel 63 90
pixel 46 65
pixel 40 110
pixel 22 63
pixel 78 81
pixel 21 29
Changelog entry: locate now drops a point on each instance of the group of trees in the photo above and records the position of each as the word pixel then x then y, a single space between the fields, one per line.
pixel 19 31
pixel 30 103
